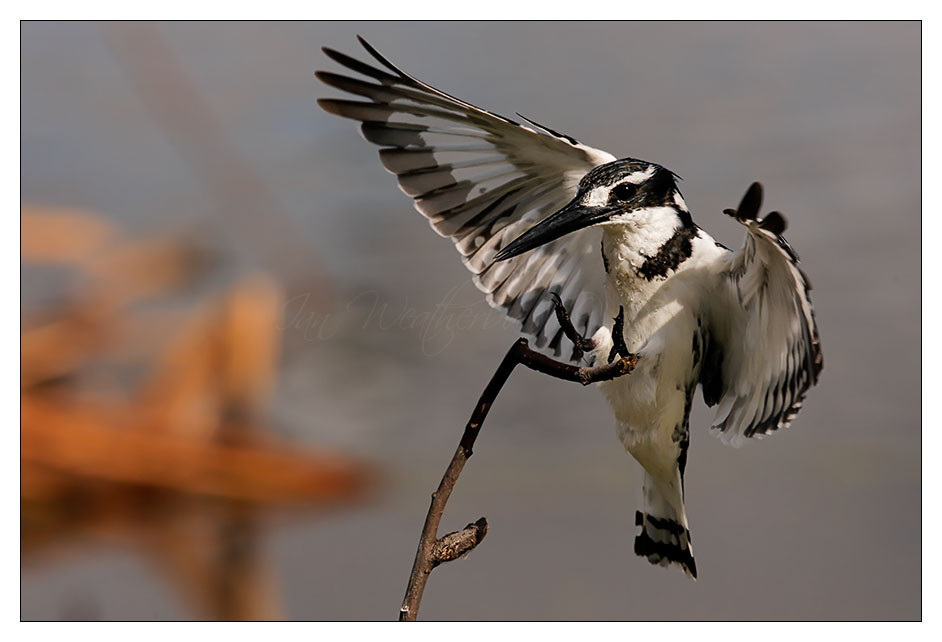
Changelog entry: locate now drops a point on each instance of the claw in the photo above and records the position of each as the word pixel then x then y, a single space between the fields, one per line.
pixel 619 349
pixel 579 342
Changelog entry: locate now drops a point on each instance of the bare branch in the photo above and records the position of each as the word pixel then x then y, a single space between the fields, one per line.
pixel 432 550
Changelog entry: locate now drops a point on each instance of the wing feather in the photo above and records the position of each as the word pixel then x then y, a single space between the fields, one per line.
pixel 763 326
pixel 482 180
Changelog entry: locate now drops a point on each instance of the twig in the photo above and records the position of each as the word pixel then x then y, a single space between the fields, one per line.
pixel 433 550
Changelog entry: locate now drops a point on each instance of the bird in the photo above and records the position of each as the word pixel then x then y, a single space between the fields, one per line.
pixel 542 221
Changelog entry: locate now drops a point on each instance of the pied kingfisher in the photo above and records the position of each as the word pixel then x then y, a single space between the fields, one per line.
pixel 535 213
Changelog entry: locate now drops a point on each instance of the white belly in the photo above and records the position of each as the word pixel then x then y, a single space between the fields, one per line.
pixel 651 403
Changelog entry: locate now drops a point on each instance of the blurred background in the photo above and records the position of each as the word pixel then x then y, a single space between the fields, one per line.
pixel 247 360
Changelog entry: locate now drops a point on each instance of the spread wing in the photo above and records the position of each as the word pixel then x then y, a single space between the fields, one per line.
pixel 482 180
pixel 764 353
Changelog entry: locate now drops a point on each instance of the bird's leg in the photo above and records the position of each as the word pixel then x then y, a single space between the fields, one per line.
pixel 619 349
pixel 580 344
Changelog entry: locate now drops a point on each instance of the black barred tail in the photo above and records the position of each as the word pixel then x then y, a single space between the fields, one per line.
pixel 664 541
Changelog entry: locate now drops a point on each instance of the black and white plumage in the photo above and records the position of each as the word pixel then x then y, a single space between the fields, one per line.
pixel 533 212
pixel 481 180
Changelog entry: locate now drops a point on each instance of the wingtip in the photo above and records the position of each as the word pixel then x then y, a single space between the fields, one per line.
pixel 775 223
pixel 330 106
pixel 333 54
pixel 370 49
pixel 751 203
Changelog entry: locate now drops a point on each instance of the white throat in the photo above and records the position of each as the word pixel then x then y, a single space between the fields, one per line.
pixel 640 234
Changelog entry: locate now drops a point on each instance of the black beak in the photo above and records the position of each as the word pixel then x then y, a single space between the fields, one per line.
pixel 572 217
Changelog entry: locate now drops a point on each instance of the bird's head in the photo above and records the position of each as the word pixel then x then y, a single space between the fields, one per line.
pixel 628 192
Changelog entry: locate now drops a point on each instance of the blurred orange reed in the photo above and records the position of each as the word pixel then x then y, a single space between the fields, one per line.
pixel 174 459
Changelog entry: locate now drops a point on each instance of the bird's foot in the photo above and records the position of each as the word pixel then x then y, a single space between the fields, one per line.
pixel 619 349
pixel 581 345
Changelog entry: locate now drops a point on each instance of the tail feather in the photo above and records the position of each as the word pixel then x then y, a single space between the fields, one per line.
pixel 662 536
pixel 663 541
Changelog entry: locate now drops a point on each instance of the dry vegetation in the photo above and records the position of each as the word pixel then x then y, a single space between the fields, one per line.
pixel 144 414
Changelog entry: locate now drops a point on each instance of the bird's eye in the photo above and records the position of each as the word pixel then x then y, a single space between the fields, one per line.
pixel 624 192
